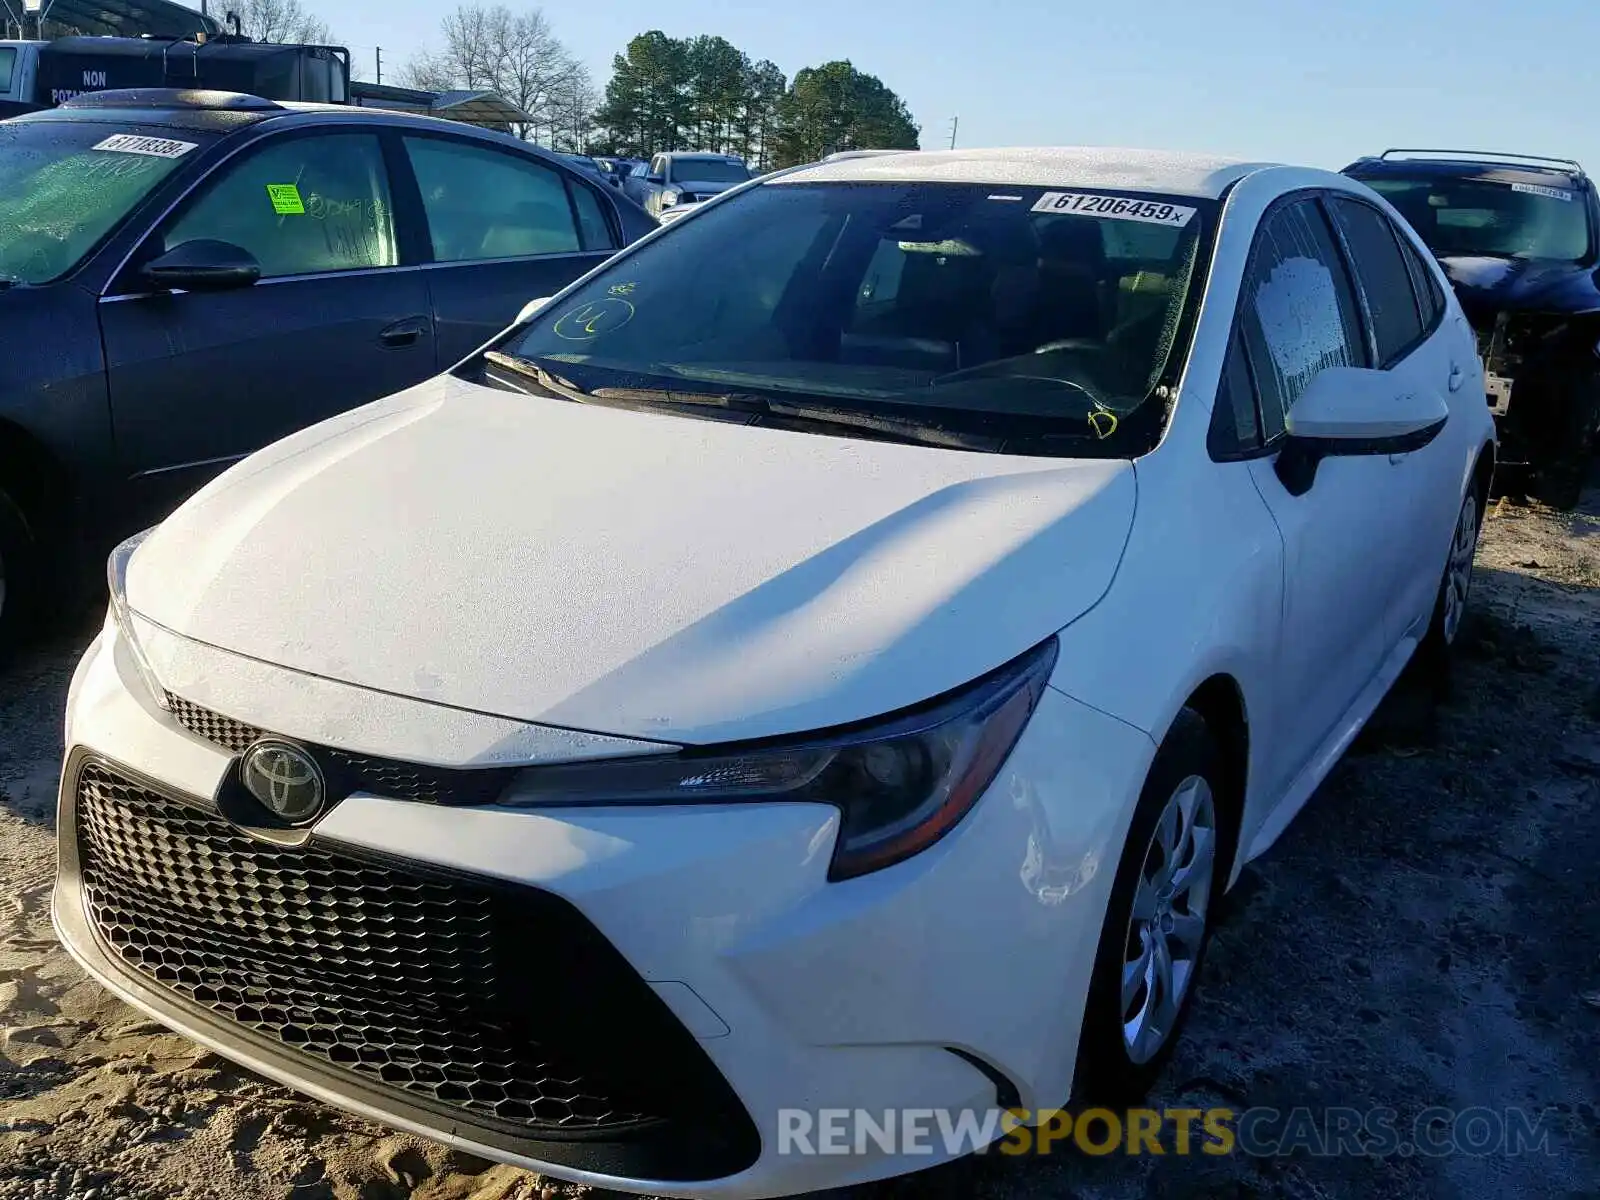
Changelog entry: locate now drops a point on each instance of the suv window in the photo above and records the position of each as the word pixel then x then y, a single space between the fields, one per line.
pixel 1300 310
pixel 482 203
pixel 1385 281
pixel 8 66
pixel 301 205
pixel 1494 213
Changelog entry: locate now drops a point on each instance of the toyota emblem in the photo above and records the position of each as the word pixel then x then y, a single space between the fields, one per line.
pixel 286 780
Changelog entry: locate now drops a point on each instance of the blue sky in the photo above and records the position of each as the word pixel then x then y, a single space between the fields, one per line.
pixel 1297 80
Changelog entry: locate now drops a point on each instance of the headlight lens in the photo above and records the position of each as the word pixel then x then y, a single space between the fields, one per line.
pixel 900 785
pixel 117 583
pixel 670 197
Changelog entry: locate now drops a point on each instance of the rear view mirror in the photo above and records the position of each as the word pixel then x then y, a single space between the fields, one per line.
pixel 203 266
pixel 1355 411
pixel 531 309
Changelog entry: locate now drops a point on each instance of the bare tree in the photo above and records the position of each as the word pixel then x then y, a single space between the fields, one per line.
pixel 517 55
pixel 572 112
pixel 280 21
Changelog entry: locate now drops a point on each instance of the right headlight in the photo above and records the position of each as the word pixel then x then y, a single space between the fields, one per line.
pixel 900 784
pixel 117 582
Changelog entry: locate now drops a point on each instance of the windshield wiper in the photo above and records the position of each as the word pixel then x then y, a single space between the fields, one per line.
pixel 760 409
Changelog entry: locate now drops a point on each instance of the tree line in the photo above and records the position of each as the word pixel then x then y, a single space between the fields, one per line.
pixel 665 93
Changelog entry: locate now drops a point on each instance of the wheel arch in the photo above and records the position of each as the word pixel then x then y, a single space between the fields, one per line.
pixel 1219 701
pixel 34 478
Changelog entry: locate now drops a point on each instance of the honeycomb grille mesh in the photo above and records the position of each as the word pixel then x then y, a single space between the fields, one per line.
pixel 223 731
pixel 501 1001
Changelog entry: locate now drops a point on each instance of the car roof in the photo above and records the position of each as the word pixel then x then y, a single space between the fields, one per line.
pixel 1162 171
pixel 226 113
pixel 1486 168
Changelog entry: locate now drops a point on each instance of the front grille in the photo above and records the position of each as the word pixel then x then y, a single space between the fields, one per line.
pixel 347 772
pixel 222 731
pixel 498 1002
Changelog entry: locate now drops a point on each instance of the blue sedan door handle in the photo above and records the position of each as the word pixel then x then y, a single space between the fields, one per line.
pixel 403 333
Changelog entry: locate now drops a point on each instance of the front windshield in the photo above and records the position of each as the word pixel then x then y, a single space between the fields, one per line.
pixel 65 186
pixel 709 170
pixel 1020 319
pixel 1492 217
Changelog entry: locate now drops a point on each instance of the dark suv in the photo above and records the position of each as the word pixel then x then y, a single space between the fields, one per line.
pixel 188 276
pixel 1519 237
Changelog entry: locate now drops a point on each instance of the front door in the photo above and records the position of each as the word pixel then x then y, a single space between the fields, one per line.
pixel 504 229
pixel 198 381
pixel 1343 562
pixel 1417 343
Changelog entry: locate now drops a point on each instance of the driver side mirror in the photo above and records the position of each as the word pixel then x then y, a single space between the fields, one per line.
pixel 202 266
pixel 1347 411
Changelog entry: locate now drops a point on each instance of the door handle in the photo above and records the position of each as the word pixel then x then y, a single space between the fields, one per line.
pixel 1457 377
pixel 403 333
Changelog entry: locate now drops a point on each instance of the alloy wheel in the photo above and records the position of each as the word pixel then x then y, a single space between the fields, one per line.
pixel 1167 928
pixel 1458 572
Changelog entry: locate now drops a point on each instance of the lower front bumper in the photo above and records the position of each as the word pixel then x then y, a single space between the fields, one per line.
pixel 949 982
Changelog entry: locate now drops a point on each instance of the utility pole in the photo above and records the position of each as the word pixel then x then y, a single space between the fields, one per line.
pixel 955 123
pixel 380 64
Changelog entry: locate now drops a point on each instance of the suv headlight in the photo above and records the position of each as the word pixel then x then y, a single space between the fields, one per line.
pixel 900 784
pixel 670 197
pixel 117 582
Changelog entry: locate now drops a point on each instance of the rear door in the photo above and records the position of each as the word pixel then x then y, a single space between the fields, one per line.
pixel 503 228
pixel 1342 558
pixel 1406 340
pixel 197 381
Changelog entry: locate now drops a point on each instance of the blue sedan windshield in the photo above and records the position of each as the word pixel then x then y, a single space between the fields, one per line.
pixel 65 186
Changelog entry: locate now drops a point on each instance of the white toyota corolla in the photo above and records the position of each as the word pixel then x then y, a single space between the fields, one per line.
pixel 834 656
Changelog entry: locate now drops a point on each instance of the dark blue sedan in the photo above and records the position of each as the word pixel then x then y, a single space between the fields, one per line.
pixel 188 276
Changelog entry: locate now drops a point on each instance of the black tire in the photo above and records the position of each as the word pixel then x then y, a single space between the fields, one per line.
pixel 1449 612
pixel 18 575
pixel 1108 1073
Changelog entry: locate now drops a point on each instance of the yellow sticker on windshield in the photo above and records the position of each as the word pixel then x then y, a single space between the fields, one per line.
pixel 286 201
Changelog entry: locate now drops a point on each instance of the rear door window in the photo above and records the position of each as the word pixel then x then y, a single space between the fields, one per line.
pixel 1383 276
pixel 301 205
pixel 482 203
pixel 592 224
pixel 8 67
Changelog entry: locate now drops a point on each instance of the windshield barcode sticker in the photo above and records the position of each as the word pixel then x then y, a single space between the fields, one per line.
pixel 1533 189
pixel 152 147
pixel 1121 208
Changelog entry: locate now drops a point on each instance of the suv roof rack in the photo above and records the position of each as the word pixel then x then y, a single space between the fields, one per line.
pixel 1487 156
pixel 184 98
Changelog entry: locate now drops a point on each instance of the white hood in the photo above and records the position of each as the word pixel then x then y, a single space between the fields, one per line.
pixel 636 574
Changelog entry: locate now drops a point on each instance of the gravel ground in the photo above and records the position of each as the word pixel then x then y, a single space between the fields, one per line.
pixel 1425 935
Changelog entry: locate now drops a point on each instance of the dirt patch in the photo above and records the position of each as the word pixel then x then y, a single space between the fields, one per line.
pixel 1425 935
